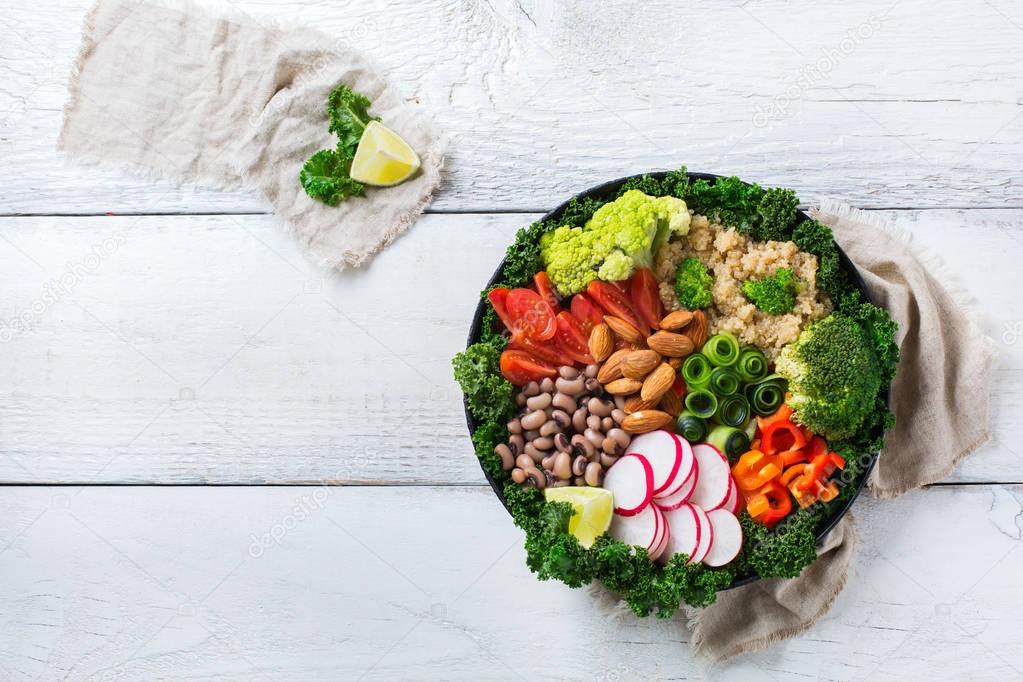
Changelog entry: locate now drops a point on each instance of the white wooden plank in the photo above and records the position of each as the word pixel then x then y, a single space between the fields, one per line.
pixel 545 99
pixel 430 583
pixel 205 349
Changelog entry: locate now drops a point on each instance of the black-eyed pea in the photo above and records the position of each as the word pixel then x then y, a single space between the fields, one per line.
pixel 595 437
pixel 549 429
pixel 600 407
pixel 543 443
pixel 619 415
pixel 533 421
pixel 570 386
pixel 561 418
pixel 562 466
pixel 563 401
pixel 536 478
pixel 531 389
pixel 579 465
pixel 606 424
pixel 593 422
pixel 607 461
pixel 562 442
pixel 547 385
pixel 591 371
pixel 548 461
pixel 539 402
pixel 567 372
pixel 594 474
pixel 579 419
pixel 517 443
pixel 514 426
pixel 582 446
pixel 518 475
pixel 505 453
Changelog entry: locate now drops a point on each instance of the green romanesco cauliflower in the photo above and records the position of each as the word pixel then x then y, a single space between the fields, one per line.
pixel 620 236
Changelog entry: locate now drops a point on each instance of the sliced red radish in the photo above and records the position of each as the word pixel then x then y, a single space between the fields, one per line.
pixel 664 453
pixel 730 498
pixel 662 546
pixel 706 535
pixel 738 502
pixel 712 485
pixel 685 469
pixel 685 531
pixel 639 529
pixel 680 496
pixel 727 538
pixel 631 481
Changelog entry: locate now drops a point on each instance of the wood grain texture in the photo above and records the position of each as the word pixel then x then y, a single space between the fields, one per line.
pixel 326 583
pixel 915 103
pixel 206 350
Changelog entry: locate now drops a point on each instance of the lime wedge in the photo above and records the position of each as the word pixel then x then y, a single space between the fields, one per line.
pixel 593 507
pixel 383 158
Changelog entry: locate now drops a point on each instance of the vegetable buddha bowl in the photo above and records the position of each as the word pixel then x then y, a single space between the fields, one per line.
pixel 676 383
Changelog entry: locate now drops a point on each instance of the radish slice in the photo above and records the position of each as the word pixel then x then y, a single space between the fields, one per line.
pixel 706 535
pixel 663 452
pixel 631 481
pixel 712 486
pixel 685 469
pixel 738 502
pixel 729 501
pixel 685 531
pixel 662 546
pixel 640 529
pixel 680 496
pixel 727 538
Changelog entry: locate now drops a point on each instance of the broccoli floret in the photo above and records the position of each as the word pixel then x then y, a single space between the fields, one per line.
pixel 774 295
pixel 693 284
pixel 834 376
pixel 619 237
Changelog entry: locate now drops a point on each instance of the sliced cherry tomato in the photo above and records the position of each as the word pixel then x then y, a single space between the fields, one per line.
pixel 530 314
pixel 545 288
pixel 586 311
pixel 497 298
pixel 519 367
pixel 572 339
pixel 548 351
pixel 644 292
pixel 610 297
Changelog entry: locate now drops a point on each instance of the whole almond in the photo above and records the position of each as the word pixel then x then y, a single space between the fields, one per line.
pixel 638 363
pixel 612 367
pixel 670 344
pixel 671 403
pixel 623 386
pixel 678 319
pixel 624 329
pixel 645 421
pixel 697 331
pixel 657 382
pixel 602 342
pixel 634 403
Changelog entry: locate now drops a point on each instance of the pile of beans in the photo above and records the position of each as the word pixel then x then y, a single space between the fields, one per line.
pixel 567 431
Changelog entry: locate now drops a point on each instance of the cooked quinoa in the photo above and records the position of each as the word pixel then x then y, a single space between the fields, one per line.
pixel 734 258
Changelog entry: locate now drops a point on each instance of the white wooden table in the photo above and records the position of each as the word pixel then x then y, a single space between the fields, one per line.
pixel 178 384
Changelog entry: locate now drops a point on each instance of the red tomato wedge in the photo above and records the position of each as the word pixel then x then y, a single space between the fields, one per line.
pixel 530 314
pixel 519 367
pixel 545 288
pixel 586 311
pixel 646 297
pixel 497 298
pixel 572 339
pixel 550 352
pixel 610 297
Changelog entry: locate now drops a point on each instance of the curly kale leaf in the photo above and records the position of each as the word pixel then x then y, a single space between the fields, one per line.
pixel 777 214
pixel 579 211
pixel 489 396
pixel 325 177
pixel 522 259
pixel 551 552
pixel 349 115
pixel 729 201
pixel 782 552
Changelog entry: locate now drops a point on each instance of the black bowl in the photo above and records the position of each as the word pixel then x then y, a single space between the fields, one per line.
pixel 607 191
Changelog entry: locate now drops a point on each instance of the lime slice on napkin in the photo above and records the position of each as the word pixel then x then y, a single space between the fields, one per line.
pixel 593 510
pixel 383 158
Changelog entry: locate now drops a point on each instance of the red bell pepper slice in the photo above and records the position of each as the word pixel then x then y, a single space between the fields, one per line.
pixel 770 504
pixel 783 413
pixel 774 438
pixel 819 470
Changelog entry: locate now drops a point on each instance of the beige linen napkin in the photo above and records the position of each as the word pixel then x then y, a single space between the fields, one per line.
pixel 168 90
pixel 940 398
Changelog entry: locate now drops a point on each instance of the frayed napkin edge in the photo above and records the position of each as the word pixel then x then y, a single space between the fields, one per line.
pixel 951 284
